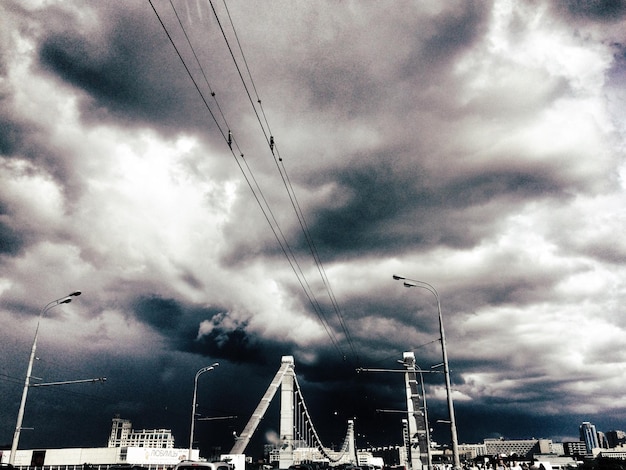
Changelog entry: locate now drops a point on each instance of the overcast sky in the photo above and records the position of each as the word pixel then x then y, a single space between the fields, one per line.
pixel 477 146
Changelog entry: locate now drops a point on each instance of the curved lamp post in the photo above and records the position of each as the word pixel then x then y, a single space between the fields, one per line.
pixel 446 370
pixel 193 403
pixel 20 414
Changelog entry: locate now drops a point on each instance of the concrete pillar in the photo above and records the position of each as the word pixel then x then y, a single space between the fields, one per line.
pixel 287 415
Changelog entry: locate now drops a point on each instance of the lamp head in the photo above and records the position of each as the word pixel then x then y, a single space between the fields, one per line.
pixel 398 278
pixel 75 294
pixel 65 301
pixel 207 369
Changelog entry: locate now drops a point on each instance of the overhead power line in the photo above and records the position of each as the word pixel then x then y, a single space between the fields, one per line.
pixel 291 192
pixel 230 138
pixel 283 172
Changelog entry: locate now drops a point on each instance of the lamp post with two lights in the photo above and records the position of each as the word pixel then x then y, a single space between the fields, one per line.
pixel 193 403
pixel 20 415
pixel 446 370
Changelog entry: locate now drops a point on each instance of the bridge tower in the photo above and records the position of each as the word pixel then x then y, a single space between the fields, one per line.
pixel 350 439
pixel 292 409
pixel 287 414
pixel 285 379
pixel 418 445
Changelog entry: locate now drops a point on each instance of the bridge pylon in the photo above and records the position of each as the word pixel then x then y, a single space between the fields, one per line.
pixel 416 435
pixel 297 434
pixel 287 415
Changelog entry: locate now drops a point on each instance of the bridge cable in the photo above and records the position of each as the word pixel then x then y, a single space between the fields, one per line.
pixel 318 442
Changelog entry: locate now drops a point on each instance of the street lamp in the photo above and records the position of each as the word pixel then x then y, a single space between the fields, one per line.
pixel 193 403
pixel 446 370
pixel 20 414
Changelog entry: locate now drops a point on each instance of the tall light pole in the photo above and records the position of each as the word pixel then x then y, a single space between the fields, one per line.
pixel 446 369
pixel 193 403
pixel 20 414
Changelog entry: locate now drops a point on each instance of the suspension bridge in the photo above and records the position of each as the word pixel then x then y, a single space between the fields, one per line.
pixel 300 442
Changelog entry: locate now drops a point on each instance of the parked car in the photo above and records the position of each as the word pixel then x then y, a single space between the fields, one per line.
pixel 194 465
pixel 125 466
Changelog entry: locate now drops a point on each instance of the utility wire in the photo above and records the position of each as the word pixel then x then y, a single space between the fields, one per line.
pixel 258 197
pixel 311 296
pixel 187 69
pixel 206 80
pixel 286 181
pixel 11 379
pixel 414 349
pixel 20 382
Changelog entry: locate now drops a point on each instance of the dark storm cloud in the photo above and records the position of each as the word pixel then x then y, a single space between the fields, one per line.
pixel 510 286
pixel 123 71
pixel 11 242
pixel 379 197
pixel 449 33
pixel 406 63
pixel 21 137
pixel 162 314
pixel 146 400
pixel 18 135
pixel 12 239
pixel 127 68
pixel 352 90
pixel 385 348
pixel 597 10
pixel 510 424
pixel 179 324
pixel 604 250
pixel 11 133
pixel 235 345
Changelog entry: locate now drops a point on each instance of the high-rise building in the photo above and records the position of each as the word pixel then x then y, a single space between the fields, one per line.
pixel 589 436
pixel 603 442
pixel 123 435
pixel 616 438
pixel 575 448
